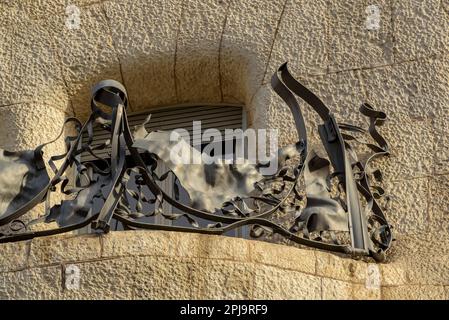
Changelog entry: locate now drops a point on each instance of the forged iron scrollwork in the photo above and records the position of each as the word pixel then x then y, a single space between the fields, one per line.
pixel 323 199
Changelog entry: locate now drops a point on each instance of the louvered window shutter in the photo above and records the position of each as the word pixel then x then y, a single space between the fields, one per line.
pixel 218 117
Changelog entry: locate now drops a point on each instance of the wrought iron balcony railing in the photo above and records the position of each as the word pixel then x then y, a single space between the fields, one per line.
pixel 322 201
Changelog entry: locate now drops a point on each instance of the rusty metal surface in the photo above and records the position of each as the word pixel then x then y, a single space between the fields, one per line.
pixel 323 199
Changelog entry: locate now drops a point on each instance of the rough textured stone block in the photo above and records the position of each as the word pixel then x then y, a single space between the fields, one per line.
pixel 163 243
pixel 42 9
pixel 14 256
pixel 352 45
pixel 283 256
pixel 124 243
pixel 5 48
pixel 414 292
pixel 107 279
pixel 342 93
pixel 26 126
pixel 87 56
pixel 50 250
pixel 412 155
pixel 420 29
pixel 274 283
pixel 341 290
pixel 301 39
pixel 224 279
pixel 438 205
pixel 242 58
pixel 31 284
pixel 149 242
pixel 219 247
pixel 441 153
pixel 197 56
pixel 144 34
pixel 408 215
pixel 165 278
pixel 32 70
pixel 417 89
pixel 332 266
pixel 335 289
pixel 393 274
pixel 423 259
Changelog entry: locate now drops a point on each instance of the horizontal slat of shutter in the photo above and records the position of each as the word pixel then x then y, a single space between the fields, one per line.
pixel 185 123
pixel 218 117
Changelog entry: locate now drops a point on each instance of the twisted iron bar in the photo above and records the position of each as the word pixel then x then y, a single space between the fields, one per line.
pixel 342 223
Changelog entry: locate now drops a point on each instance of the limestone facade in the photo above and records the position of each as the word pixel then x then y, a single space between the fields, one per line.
pixel 170 52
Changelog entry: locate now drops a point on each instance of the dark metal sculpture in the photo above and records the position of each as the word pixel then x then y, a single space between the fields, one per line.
pixel 305 201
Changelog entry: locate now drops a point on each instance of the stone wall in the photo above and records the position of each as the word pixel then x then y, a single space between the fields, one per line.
pixel 180 51
pixel 170 265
